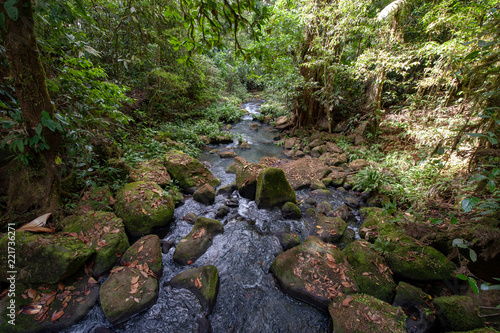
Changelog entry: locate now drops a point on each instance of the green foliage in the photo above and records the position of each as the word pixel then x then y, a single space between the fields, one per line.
pixel 224 112
pixel 486 205
pixel 370 179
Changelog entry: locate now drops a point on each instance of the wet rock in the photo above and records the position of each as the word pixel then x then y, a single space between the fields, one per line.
pixel 414 302
pixel 41 308
pixel 97 199
pixel 222 211
pixel 290 211
pixel 43 258
pixel 338 178
pixel 328 229
pixel 244 145
pixel 204 325
pixel 146 252
pixel 188 172
pixel 349 182
pixel 358 164
pixel 190 218
pixel 151 171
pixel 372 274
pixel 222 139
pixel 364 313
pixel 289 153
pixel 232 168
pixel 348 237
pixel 281 122
pixel 273 189
pixel 101 231
pixel 300 173
pixel 205 195
pixel 352 202
pixel 324 207
pixel 457 313
pixel 127 291
pixel 227 190
pixel 202 281
pixel 314 272
pixel 288 240
pixel 143 206
pixel 326 181
pixel 318 185
pixel 199 239
pixel 103 330
pixel 289 143
pixel 254 126
pixel 315 143
pixel 310 201
pixel 227 154
pixel 299 153
pixel 233 202
pixel 246 177
pixel 166 246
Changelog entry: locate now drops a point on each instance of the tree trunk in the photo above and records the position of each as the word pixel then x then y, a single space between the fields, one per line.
pixel 35 186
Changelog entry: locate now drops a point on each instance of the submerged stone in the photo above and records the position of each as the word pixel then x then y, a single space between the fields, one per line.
pixel 188 172
pixel 363 313
pixel 199 239
pixel 273 189
pixel 143 206
pixel 202 281
pixel 314 272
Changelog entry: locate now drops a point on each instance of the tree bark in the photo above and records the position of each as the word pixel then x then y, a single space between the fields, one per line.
pixel 31 90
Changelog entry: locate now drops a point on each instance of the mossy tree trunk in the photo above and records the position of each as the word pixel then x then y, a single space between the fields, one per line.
pixel 38 185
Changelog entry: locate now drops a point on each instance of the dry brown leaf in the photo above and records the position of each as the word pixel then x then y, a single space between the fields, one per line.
pixel 102 243
pixel 134 288
pixel 92 281
pixel 135 279
pixel 50 299
pixel 136 300
pixel 144 274
pixel 375 317
pixel 57 314
pixel 60 286
pixel 106 229
pixel 32 293
pixel 190 262
pixel 31 309
pixel 140 248
pixel 199 233
pixel 145 267
pixel 197 283
pixel 183 240
pixel 330 257
pixel 80 299
pixel 115 231
pixel 347 300
pixel 367 273
pixel 346 284
pixel 117 269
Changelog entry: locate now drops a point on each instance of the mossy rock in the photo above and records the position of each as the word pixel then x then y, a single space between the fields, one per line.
pixel 457 313
pixel 288 240
pixel 197 242
pixel 151 171
pixel 101 231
pixel 416 303
pixel 205 195
pixel 363 313
pixel 202 281
pixel 43 258
pixel 273 189
pixel 290 211
pixel 408 295
pixel 371 272
pixel 246 177
pixel 328 229
pixel 143 206
pixel 227 189
pixel 318 185
pixel 188 172
pixel 127 291
pixel 146 250
pixel 54 306
pixel 314 272
pixel 97 199
pixel 377 222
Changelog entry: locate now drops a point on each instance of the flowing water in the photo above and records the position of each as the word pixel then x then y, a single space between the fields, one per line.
pixel 249 299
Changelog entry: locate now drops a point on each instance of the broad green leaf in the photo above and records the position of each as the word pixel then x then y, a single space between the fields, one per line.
pixel 472 255
pixel 473 285
pixel 436 221
pixel 453 220
pixel 491 185
pixel 462 277
pixel 469 203
pixel 472 55
pixel 476 135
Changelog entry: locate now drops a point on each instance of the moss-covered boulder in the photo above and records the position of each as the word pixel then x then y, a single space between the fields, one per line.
pixel 328 229
pixel 205 194
pixel 457 313
pixel 199 239
pixel 288 240
pixel 246 177
pixel 143 206
pixel 302 172
pixel 375 222
pixel 315 272
pixel 273 189
pixel 371 272
pixel 147 252
pixel 417 304
pixel 363 313
pixel 202 281
pixel 42 258
pixel 127 291
pixel 97 199
pixel 48 307
pixel 188 172
pixel 290 211
pixel 151 171
pixel 101 231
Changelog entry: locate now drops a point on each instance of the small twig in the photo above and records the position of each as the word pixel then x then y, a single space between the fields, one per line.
pixel 490 315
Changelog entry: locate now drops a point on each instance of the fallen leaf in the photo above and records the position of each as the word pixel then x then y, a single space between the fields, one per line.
pixel 330 257
pixel 144 274
pixel 115 231
pixel 31 309
pixel 102 243
pixel 197 283
pixel 38 222
pixel 134 288
pixel 375 317
pixel 136 300
pixel 60 286
pixel 140 248
pixel 367 273
pixel 183 240
pixel 92 281
pixel 57 314
pixel 347 300
pixel 135 279
pixel 346 284
pixel 32 293
pixel 106 229
pixel 50 299
pixel 199 233
pixel 190 262
pixel 145 267
pixel 114 270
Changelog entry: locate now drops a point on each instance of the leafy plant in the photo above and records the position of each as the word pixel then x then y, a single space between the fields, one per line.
pixel 370 179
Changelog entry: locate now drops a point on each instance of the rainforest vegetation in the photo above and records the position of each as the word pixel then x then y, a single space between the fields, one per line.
pixel 89 88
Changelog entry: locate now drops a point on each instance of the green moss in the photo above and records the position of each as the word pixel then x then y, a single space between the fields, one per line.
pixel 143 206
pixel 150 253
pixel 273 189
pixel 457 313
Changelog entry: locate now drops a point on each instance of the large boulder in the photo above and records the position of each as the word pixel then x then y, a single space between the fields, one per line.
pixel 147 252
pixel 302 172
pixel 42 258
pixel 328 229
pixel 97 199
pixel 246 177
pixel 48 307
pixel 273 189
pixel 372 274
pixel 101 231
pixel 205 194
pixel 417 304
pixel 199 239
pixel 144 206
pixel 127 291
pixel 315 272
pixel 202 281
pixel 151 171
pixel 362 313
pixel 188 172
pixel 457 313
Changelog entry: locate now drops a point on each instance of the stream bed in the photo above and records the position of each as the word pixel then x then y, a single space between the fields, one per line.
pixel 249 299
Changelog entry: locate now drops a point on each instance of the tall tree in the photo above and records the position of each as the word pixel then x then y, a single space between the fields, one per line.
pixel 29 187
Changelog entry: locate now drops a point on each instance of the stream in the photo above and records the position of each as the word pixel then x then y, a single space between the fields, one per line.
pixel 249 299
